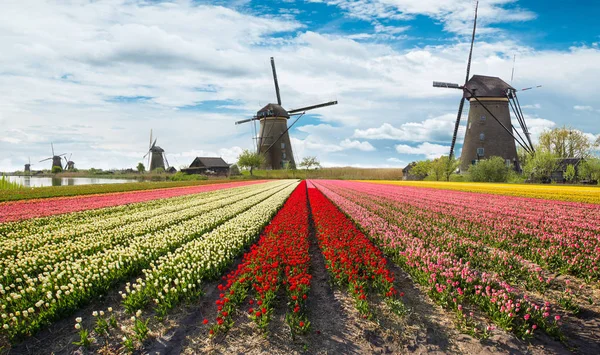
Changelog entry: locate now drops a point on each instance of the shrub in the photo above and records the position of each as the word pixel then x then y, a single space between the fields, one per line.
pixel 493 169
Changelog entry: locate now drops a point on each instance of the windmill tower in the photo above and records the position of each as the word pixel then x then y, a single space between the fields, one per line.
pixel 273 138
pixel 156 156
pixel 489 128
pixel 28 166
pixel 69 164
pixel 56 159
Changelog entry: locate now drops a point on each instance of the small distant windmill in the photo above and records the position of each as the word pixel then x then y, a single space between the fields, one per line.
pixel 273 138
pixel 56 159
pixel 489 97
pixel 28 165
pixel 69 164
pixel 156 156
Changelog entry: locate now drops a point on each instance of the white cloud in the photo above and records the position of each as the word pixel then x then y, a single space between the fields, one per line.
pixel 438 129
pixel 350 144
pixel 583 108
pixel 429 150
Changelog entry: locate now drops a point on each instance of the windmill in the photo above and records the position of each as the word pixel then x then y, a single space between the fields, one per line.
pixel 156 155
pixel 28 165
pixel 56 159
pixel 489 128
pixel 273 138
pixel 69 164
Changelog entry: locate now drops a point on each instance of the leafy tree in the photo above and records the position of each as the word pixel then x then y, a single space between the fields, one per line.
pixel 309 162
pixel 56 169
pixel 234 170
pixel 541 165
pixel 493 169
pixel 590 169
pixel 569 174
pixel 421 169
pixel 566 142
pixel 141 168
pixel 442 168
pixel 250 160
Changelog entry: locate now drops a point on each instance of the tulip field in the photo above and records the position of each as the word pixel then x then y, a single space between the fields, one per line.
pixel 288 266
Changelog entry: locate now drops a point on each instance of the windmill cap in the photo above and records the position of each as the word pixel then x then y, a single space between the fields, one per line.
pixel 272 110
pixel 487 86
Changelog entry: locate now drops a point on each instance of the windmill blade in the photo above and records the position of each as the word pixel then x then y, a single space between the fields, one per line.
pixel 307 108
pixel 247 120
pixel 150 142
pixel 275 79
pixel 165 156
pixel 456 126
pixel 154 143
pixel 45 160
pixel 441 84
pixel 60 155
pixel 530 88
pixel 52 145
pixel 512 75
pixel 472 43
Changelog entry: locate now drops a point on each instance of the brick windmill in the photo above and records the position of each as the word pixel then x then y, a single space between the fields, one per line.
pixel 56 159
pixel 489 128
pixel 273 138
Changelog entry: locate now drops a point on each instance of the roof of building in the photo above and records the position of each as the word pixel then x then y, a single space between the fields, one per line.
pixel 564 162
pixel 487 86
pixel 407 169
pixel 209 162
pixel 273 110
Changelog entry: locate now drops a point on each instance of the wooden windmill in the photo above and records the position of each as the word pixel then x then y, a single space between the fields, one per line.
pixel 69 164
pixel 28 166
pixel 489 128
pixel 273 138
pixel 56 159
pixel 156 156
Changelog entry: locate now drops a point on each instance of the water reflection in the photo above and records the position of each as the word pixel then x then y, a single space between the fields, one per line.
pixel 37 181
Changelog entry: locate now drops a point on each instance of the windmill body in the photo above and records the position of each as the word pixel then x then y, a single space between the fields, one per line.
pixel 27 168
pixel 485 137
pixel 273 137
pixel 156 159
pixel 56 159
pixel 273 133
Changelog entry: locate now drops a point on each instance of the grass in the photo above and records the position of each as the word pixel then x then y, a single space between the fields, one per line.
pixel 346 173
pixel 587 194
pixel 15 194
pixel 5 184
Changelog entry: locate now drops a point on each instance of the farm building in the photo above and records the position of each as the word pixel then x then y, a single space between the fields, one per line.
pixel 406 175
pixel 561 168
pixel 208 166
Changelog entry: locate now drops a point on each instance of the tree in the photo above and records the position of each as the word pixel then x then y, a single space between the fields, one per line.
pixel 234 170
pixel 309 162
pixel 56 169
pixel 250 160
pixel 566 142
pixel 141 168
pixel 442 168
pixel 421 169
pixel 493 169
pixel 569 174
pixel 541 165
pixel 590 169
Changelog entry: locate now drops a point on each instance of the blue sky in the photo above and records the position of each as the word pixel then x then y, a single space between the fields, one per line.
pixel 95 77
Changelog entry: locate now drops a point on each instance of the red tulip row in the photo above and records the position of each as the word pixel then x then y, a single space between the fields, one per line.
pixel 350 256
pixel 19 210
pixel 452 280
pixel 280 257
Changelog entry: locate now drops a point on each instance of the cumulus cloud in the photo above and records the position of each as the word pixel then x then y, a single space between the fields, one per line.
pixel 429 150
pixel 437 129
pixel 354 144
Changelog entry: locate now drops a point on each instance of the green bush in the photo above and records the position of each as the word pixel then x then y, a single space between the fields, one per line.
pixel 56 169
pixel 493 169
pixel 181 176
